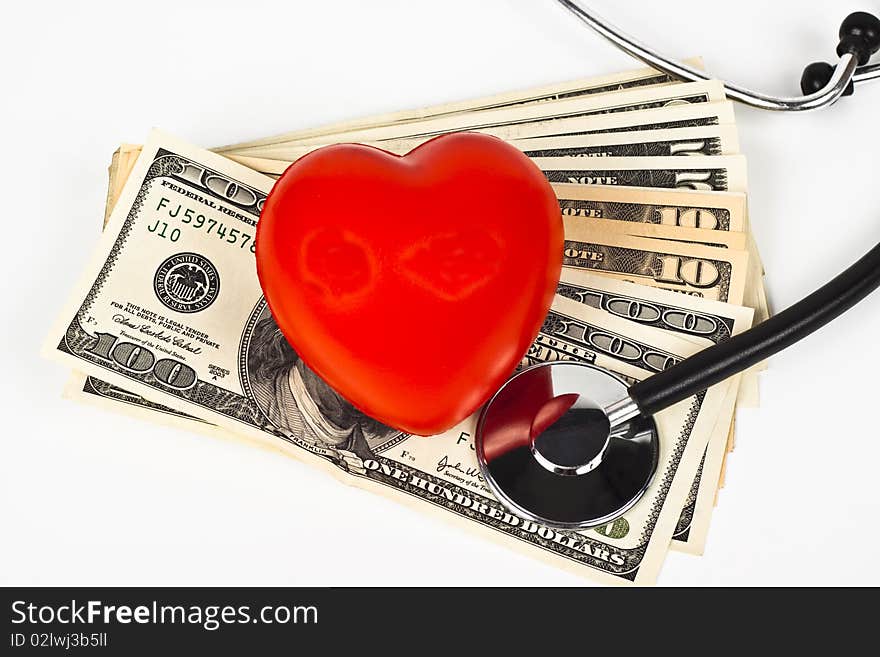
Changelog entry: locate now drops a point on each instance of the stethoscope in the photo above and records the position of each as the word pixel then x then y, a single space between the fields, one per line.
pixel 571 445
pixel 821 83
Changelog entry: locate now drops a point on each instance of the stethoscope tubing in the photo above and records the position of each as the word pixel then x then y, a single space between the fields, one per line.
pixel 845 72
pixel 713 365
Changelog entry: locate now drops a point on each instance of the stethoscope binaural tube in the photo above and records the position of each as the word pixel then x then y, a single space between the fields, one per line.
pixel 821 83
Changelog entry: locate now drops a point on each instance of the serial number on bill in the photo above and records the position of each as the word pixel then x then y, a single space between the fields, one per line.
pixel 65 640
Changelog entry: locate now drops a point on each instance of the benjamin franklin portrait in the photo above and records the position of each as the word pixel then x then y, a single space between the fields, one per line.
pixel 298 403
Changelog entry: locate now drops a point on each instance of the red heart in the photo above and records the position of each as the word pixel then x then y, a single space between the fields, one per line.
pixel 412 285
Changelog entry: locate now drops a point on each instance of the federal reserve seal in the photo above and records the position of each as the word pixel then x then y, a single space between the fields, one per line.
pixel 187 282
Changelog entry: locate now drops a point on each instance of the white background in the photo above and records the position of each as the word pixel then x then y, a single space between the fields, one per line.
pixel 92 497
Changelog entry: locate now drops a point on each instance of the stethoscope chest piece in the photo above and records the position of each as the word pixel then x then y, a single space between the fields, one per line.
pixel 549 452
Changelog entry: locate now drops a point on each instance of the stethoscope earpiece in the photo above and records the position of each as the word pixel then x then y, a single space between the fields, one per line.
pixel 817 75
pixel 859 36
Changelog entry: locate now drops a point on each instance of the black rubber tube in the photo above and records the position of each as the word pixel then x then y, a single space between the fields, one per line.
pixel 713 365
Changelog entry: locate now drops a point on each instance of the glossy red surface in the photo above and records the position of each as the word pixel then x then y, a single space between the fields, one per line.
pixel 412 285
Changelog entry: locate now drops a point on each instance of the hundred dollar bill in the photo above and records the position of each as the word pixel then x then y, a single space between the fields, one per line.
pixel 94 391
pixel 664 118
pixel 625 101
pixel 686 316
pixel 701 173
pixel 601 84
pixel 710 322
pixel 725 211
pixel 97 392
pixel 635 541
pixel 171 309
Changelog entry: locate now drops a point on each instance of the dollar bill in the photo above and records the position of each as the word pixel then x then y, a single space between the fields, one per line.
pixel 123 160
pixel 688 209
pixel 668 207
pixel 664 118
pixel 700 271
pixel 94 391
pixel 602 84
pixel 685 315
pixel 714 238
pixel 684 208
pixel 707 322
pixel 678 211
pixel 701 173
pixel 704 140
pixel 607 129
pixel 700 320
pixel 625 101
pixel 704 322
pixel 661 118
pixel 112 190
pixel 171 309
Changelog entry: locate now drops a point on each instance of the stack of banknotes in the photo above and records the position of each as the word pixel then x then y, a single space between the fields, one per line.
pixel 168 322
